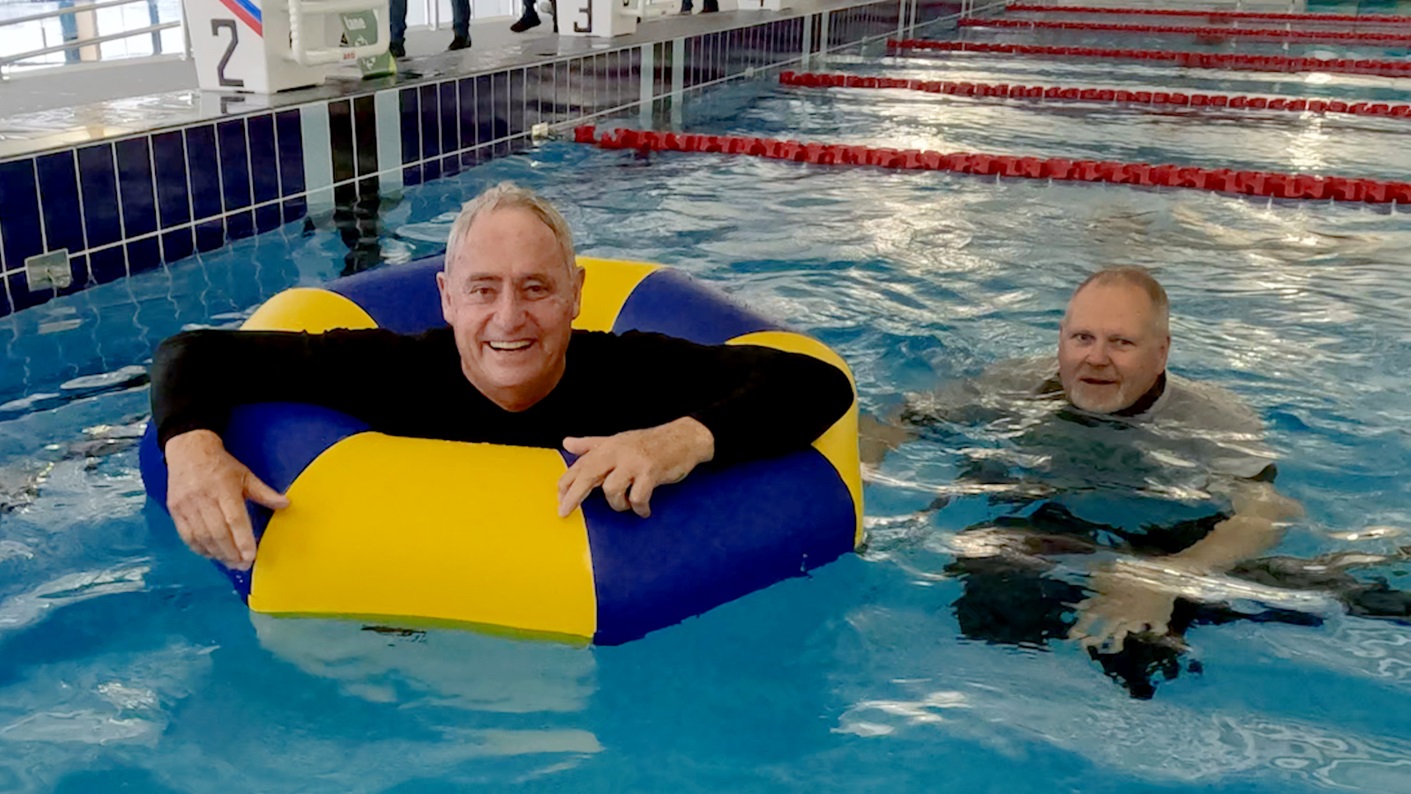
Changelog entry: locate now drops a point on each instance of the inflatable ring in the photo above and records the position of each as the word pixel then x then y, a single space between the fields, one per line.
pixel 426 531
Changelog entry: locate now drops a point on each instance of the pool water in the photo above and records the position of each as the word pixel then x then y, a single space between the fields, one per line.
pixel 125 660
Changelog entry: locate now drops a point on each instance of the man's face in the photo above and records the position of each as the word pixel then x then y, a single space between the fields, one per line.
pixel 1110 349
pixel 511 300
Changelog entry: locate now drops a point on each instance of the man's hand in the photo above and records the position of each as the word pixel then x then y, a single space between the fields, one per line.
pixel 630 465
pixel 1122 605
pixel 206 493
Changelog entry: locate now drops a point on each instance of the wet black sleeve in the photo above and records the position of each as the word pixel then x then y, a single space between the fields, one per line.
pixel 199 376
pixel 756 401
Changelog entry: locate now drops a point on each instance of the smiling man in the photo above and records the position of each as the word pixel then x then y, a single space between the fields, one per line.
pixel 1161 481
pixel 640 410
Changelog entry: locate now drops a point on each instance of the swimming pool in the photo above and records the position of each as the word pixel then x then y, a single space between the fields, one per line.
pixel 124 660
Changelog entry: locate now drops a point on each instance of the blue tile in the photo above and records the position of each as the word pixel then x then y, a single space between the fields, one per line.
pixel 173 200
pixel 450 116
pixel 21 297
pixel 143 255
pixel 177 245
pixel 58 194
pixel 210 235
pixel 500 108
pixel 97 176
pixel 466 91
pixel 264 160
pixel 430 122
pixel 514 105
pixel 411 175
pixel 139 200
pixel 19 225
pixel 267 218
pixel 240 224
pixel 4 298
pixel 291 152
pixel 450 165
pixel 484 110
pixel 294 209
pixel 234 165
pixel 411 125
pixel 204 169
pixel 431 169
pixel 108 265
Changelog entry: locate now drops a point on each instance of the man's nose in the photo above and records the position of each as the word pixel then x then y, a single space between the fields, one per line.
pixel 509 310
pixel 1097 354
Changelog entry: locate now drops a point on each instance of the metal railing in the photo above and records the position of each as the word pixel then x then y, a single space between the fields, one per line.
pixel 78 23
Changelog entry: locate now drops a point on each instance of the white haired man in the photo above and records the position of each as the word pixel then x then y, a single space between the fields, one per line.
pixel 640 410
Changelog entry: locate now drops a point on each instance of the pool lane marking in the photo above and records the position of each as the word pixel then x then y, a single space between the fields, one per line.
pixel 1283 34
pixel 1194 60
pixel 1217 180
pixel 1272 16
pixel 1106 95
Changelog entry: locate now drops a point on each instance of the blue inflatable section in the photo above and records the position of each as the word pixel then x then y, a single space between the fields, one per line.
pixel 401 298
pixel 277 441
pixel 668 302
pixel 716 536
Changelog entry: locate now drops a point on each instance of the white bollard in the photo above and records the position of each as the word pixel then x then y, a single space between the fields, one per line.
pixel 598 18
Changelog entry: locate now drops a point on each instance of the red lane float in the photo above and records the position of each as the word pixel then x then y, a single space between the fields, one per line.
pixel 1371 19
pixel 1194 60
pixel 1175 98
pixel 1222 180
pixel 1221 32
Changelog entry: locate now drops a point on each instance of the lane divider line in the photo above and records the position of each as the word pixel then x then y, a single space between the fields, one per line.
pixel 1119 95
pixel 1219 180
pixel 1194 60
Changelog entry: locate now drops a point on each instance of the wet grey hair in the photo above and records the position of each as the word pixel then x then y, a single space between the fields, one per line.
pixel 508 195
pixel 1133 276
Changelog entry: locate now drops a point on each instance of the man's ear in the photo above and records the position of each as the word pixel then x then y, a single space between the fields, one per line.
pixel 579 276
pixel 443 288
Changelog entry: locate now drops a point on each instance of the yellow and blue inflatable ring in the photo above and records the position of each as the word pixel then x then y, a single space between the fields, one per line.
pixel 428 532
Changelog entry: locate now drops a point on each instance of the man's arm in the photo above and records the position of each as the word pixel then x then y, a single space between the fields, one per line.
pixel 1130 603
pixel 732 403
pixel 197 378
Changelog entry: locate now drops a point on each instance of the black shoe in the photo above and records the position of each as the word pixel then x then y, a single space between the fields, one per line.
pixel 397 49
pixel 529 20
pixel 459 43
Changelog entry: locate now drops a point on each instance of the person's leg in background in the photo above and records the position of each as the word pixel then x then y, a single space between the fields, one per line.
pixel 397 21
pixel 460 24
pixel 530 18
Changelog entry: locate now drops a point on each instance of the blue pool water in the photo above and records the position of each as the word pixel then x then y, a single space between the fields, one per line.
pixel 125 661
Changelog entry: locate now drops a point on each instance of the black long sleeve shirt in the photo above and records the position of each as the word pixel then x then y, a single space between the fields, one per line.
pixel 756 401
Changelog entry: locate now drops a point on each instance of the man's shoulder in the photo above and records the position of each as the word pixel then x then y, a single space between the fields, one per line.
pixel 1209 403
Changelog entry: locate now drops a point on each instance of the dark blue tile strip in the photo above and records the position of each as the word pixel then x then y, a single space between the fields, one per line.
pixel 144 254
pixel 204 168
pixel 264 158
pixel 177 244
pixel 19 228
pixel 430 122
pixel 290 132
pixel 139 201
pixel 411 125
pixel 169 160
pixel 99 182
pixel 234 165
pixel 58 195
pixel 448 95
pixel 210 235
pixel 108 264
pixel 365 134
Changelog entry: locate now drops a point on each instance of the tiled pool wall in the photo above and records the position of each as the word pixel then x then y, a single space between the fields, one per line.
pixel 101 212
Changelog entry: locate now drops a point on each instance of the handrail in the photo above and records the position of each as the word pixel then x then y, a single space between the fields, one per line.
pixel 79 43
pixel 75 9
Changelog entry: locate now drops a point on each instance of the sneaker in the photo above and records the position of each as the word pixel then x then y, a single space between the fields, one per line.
pixel 459 43
pixel 397 49
pixel 529 20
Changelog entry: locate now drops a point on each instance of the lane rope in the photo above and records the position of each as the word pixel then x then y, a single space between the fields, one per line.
pixel 1219 180
pixel 1273 16
pixel 1195 60
pixel 1282 34
pixel 1171 98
